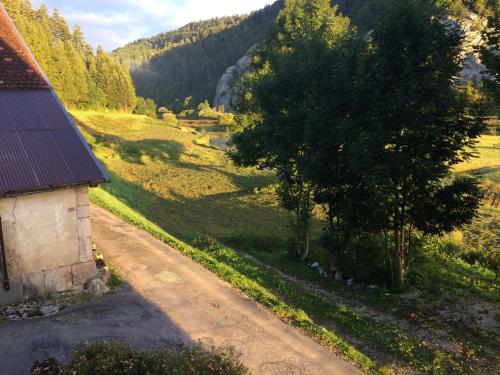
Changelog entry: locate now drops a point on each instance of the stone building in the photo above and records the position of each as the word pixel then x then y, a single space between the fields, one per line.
pixel 46 169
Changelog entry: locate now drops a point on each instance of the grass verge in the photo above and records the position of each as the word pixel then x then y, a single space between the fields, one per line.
pixel 295 305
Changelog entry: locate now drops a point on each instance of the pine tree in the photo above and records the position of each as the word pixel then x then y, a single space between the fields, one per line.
pixel 80 79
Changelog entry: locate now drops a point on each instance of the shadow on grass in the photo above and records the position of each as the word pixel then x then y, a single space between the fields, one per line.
pixel 168 152
pixel 438 275
pixel 132 151
pixel 219 215
pixel 483 171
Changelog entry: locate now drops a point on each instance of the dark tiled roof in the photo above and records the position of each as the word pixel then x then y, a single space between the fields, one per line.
pixel 40 147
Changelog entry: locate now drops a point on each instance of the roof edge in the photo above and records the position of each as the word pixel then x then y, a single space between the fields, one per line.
pixel 26 47
pixel 46 189
pixel 104 174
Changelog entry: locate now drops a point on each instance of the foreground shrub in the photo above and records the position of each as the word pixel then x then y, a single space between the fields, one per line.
pixel 115 358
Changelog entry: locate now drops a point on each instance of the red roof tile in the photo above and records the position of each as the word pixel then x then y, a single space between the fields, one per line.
pixel 18 69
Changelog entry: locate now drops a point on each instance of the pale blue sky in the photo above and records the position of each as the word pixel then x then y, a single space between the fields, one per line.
pixel 112 23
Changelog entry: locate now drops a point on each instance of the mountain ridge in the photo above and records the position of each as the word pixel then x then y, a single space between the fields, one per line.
pixel 196 66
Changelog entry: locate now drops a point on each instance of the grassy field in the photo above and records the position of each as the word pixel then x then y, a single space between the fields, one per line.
pixel 487 164
pixel 167 182
pixel 190 189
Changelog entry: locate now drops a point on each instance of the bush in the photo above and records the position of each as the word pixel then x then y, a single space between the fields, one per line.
pixel 452 246
pixel 367 261
pixel 170 119
pixel 101 358
pixel 203 141
pixel 188 114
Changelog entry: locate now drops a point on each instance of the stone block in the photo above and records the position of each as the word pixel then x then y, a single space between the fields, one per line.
pixel 96 287
pixel 34 285
pixel 84 228
pixel 82 196
pixel 83 211
pixel 58 280
pixel 85 248
pixel 78 289
pixel 83 272
pixel 104 274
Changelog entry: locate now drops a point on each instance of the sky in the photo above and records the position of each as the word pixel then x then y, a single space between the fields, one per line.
pixel 113 23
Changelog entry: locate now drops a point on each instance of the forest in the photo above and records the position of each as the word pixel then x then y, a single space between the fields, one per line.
pixel 191 60
pixel 81 77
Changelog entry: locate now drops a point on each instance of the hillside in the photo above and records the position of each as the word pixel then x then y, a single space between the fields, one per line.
pixel 80 77
pixel 134 54
pixel 164 182
pixel 190 61
pixel 192 190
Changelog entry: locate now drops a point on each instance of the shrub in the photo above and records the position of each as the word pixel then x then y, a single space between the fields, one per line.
pixel 366 261
pixel 170 119
pixel 188 113
pixel 115 278
pixel 102 358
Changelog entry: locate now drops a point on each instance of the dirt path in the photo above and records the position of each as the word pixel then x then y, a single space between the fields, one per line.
pixel 167 300
pixel 205 308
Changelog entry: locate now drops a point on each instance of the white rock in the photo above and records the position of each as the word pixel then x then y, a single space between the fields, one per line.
pixel 350 281
pixel 338 275
pixel 227 93
pixel 315 265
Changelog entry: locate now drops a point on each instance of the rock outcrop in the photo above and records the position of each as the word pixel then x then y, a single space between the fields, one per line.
pixel 473 69
pixel 227 92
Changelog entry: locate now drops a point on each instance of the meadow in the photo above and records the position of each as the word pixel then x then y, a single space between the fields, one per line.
pixel 167 181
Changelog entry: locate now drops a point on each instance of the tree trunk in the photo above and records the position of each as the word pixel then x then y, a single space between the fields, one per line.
pixel 305 250
pixel 398 257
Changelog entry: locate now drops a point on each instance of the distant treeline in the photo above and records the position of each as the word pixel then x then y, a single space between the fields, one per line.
pixel 169 67
pixel 134 54
pixel 190 61
pixel 81 78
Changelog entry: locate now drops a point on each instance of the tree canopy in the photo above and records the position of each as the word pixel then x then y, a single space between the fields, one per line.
pixel 81 78
pixel 367 128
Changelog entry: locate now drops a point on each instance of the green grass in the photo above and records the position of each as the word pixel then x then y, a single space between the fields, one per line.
pixel 115 277
pixel 181 192
pixel 189 189
pixel 295 305
pixel 487 164
pixel 249 286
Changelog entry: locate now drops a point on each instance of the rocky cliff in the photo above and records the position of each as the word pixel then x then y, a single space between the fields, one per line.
pixel 227 92
pixel 473 70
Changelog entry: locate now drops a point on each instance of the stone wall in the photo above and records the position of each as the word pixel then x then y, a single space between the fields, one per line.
pixel 48 243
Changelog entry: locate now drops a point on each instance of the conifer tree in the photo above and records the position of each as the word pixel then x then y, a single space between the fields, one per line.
pixel 80 79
